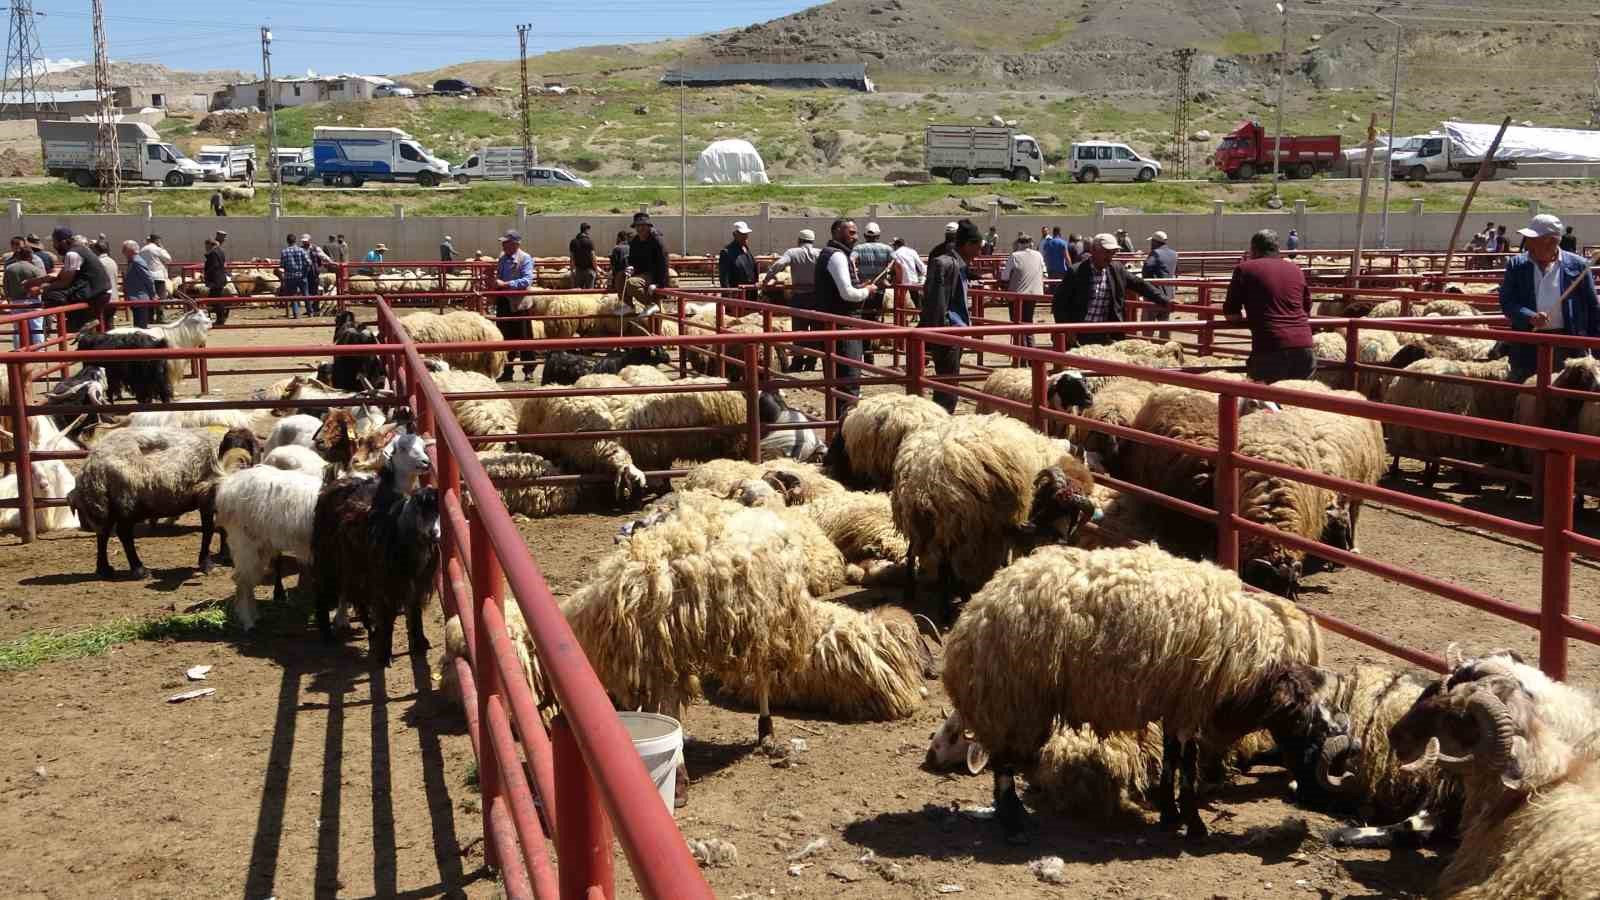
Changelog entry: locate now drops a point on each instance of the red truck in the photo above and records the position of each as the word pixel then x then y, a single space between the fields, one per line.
pixel 1247 152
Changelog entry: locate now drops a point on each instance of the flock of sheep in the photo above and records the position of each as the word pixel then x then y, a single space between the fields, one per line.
pixel 1078 651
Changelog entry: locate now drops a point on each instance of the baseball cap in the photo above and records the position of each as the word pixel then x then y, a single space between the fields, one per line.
pixel 950 228
pixel 61 233
pixel 512 235
pixel 220 234
pixel 1122 231
pixel 1542 225
pixel 873 229
pixel 807 234
pixel 741 228
pixel 641 218
pixel 1159 237
pixel 1105 241
pixel 305 237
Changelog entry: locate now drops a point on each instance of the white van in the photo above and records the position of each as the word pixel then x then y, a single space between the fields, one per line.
pixel 493 164
pixel 1108 161
pixel 551 177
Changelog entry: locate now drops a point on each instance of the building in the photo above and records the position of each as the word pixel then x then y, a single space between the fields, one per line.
pixel 799 75
pixel 188 97
pixel 300 91
pixel 67 103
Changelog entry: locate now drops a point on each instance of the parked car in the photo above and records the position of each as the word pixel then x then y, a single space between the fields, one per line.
pixel 299 173
pixel 392 90
pixel 1109 161
pixel 542 176
pixel 455 87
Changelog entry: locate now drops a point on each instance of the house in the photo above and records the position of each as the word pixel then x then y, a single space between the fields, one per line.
pixel 300 91
pixel 851 75
pixel 67 103
pixel 188 97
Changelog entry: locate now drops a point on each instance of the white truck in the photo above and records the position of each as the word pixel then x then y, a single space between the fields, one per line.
pixel 224 162
pixel 494 164
pixel 963 152
pixel 351 157
pixel 71 151
pixel 1462 146
pixel 288 156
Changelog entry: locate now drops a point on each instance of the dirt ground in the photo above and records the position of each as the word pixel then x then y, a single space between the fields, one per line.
pixel 310 773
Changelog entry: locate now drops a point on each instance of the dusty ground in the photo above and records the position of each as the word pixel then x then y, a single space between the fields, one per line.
pixel 307 775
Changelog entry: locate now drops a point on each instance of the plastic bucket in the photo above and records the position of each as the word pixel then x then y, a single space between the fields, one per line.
pixel 659 742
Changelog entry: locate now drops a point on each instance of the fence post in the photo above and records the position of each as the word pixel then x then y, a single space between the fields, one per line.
pixel 914 364
pixel 1037 414
pixel 486 589
pixel 19 431
pixel 1351 357
pixel 1556 591
pixel 1227 482
pixel 716 366
pixel 583 842
pixel 830 403
pixel 1206 333
pixel 683 349
pixel 752 403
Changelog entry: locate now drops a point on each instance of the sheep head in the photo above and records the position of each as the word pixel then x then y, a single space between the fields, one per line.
pixel 1277 570
pixel 1293 702
pixel 787 484
pixel 953 745
pixel 1464 723
pixel 1060 503
pixel 1069 390
pixel 336 439
pixel 1408 354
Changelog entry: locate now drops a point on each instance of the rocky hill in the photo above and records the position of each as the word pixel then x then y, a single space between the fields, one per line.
pixel 82 77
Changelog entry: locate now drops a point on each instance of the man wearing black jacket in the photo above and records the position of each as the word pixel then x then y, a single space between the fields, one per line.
pixel 735 266
pixel 216 275
pixel 581 251
pixel 1094 290
pixel 647 261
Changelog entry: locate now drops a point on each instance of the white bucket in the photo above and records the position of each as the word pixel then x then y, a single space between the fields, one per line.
pixel 659 740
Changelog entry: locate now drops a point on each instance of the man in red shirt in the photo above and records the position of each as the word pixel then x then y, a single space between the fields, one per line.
pixel 1271 293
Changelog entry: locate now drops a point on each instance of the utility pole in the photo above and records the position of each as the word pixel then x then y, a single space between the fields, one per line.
pixel 683 164
pixel 527 126
pixel 1277 142
pixel 108 156
pixel 23 64
pixel 1394 108
pixel 274 171
pixel 1180 118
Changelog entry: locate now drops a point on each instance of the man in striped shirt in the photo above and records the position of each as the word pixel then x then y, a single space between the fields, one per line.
pixel 871 257
pixel 295 263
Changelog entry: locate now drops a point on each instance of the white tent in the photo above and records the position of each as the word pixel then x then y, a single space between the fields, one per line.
pixel 730 162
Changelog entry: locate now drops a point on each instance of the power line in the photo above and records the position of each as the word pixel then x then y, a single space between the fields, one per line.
pixel 24 63
pixel 108 156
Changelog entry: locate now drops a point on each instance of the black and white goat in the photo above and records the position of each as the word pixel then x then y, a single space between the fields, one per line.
pixel 145 379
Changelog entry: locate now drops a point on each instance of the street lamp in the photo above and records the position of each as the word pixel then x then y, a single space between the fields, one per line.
pixel 1394 104
pixel 1277 142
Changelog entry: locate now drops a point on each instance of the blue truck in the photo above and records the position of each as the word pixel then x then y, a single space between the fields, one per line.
pixel 350 157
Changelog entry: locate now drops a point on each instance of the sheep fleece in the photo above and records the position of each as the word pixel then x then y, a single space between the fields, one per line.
pixel 134 474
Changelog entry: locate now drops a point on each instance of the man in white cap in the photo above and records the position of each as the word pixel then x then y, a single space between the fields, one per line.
pixel 1547 290
pixel 1160 262
pixel 735 266
pixel 1094 291
pixel 871 257
pixel 948 246
pixel 320 262
pixel 800 261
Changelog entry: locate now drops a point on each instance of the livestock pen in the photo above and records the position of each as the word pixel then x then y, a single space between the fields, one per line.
pixel 524 803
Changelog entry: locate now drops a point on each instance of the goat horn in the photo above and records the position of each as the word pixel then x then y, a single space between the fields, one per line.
pixel 1453 657
pixel 1428 759
pixel 1332 749
pixel 1497 732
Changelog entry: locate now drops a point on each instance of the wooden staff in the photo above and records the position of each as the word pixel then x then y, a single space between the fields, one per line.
pixel 1361 205
pixel 1484 168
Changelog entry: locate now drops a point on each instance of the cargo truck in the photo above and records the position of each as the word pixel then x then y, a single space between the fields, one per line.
pixel 1247 152
pixel 1461 147
pixel 72 151
pixel 351 157
pixel 222 162
pixel 964 152
pixel 494 164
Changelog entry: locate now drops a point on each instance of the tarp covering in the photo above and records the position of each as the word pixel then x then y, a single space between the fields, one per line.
pixel 851 75
pixel 1471 141
pixel 730 162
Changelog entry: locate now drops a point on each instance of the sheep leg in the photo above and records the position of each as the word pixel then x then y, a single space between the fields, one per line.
pixel 414 633
pixel 764 735
pixel 380 640
pixel 1008 808
pixel 208 526
pixel 1186 790
pixel 125 535
pixel 1170 752
pixel 1430 474
pixel 224 555
pixel 279 595
pixel 102 562
pixel 327 588
pixel 1394 466
pixel 1355 519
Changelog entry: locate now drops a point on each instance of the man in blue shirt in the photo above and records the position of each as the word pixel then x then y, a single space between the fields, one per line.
pixel 1550 291
pixel 1054 251
pixel 514 272
pixel 944 301
pixel 295 264
pixel 137 283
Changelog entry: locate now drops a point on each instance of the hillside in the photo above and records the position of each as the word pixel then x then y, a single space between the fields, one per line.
pixel 82 77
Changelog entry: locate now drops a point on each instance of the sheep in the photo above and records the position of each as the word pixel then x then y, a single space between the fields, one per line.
pixel 1374 347
pixel 1116 639
pixel 1122 522
pixel 864 666
pixel 862 527
pixel 1486 401
pixel 51 478
pixel 1348 447
pixel 296 429
pixel 795 483
pixel 1131 352
pixel 455 647
pixel 974 490
pixel 136 474
pixel 351 373
pixel 1525 748
pixel 534 501
pixel 1116 402
pixel 462 327
pixel 295 458
pixel 267 512
pixel 1064 391
pixel 716 590
pixel 563 367
pixel 190 330
pixel 145 379
pixel 243 438
pixel 863 450
pixel 178 416
pixel 483 416
pixel 375 545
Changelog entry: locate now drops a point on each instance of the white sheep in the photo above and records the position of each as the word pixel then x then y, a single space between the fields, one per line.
pixel 1116 639
pixel 295 458
pixel 863 450
pixel 1488 401
pixel 267 513
pixel 1374 347
pixel 790 482
pixel 455 647
pixel 176 416
pixel 534 501
pixel 461 327
pixel 1063 392
pixel 483 416
pixel 1116 402
pixel 51 478
pixel 1348 447
pixel 297 429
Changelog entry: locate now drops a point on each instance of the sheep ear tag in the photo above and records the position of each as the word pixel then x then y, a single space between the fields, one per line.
pixel 977 758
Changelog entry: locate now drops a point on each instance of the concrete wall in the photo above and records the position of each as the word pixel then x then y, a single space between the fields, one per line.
pixel 410 237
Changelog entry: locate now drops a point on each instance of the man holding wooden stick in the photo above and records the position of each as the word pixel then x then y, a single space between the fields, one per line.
pixel 1549 291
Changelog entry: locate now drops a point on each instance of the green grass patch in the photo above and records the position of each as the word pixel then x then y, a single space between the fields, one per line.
pixel 40 648
pixel 1244 43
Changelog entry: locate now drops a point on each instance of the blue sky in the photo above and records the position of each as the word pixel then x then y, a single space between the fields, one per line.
pixel 373 36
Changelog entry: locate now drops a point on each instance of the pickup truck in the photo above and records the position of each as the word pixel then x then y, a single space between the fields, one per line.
pixel 963 152
pixel 1247 152
pixel 1461 147
pixel 493 164
pixel 222 162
